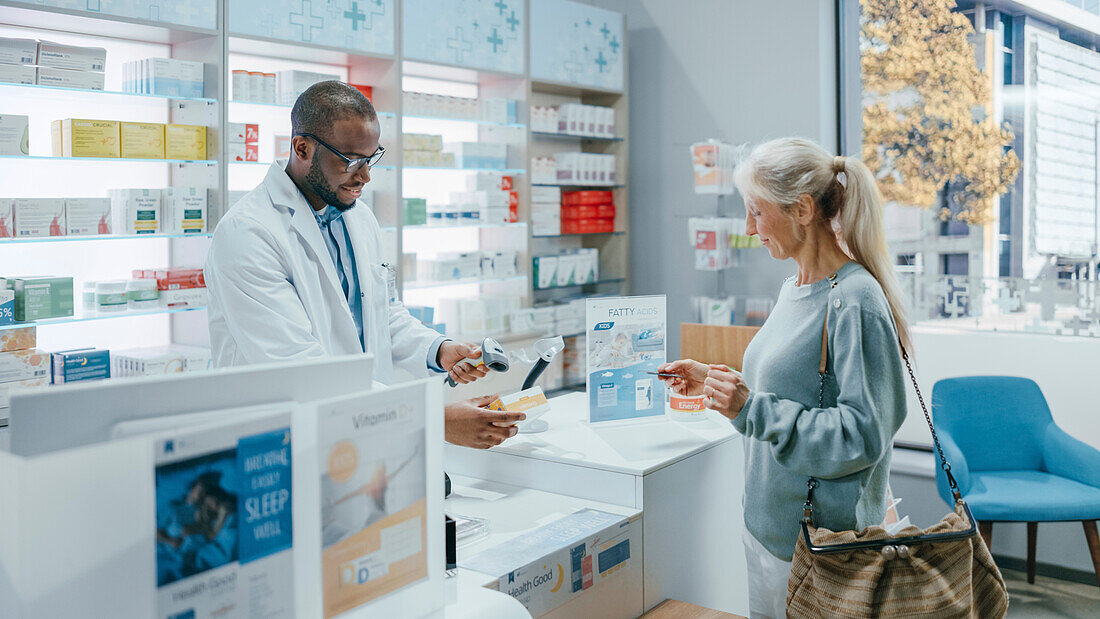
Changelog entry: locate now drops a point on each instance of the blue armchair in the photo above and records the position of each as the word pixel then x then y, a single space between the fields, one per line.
pixel 1012 462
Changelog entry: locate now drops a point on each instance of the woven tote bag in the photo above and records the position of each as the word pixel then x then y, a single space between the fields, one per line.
pixel 942 571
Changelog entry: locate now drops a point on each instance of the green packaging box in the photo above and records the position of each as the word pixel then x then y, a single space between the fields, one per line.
pixel 41 298
pixel 416 211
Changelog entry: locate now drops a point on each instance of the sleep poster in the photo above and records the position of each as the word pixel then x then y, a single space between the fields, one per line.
pixel 626 341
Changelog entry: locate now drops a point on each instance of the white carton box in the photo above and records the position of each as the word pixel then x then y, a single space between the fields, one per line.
pixel 14 138
pixel 84 216
pixel 64 78
pixel 18 74
pixel 136 211
pixel 184 210
pixel 184 297
pixel 7 221
pixel 173 77
pixel 291 84
pixel 71 57
pixel 567 266
pixel 546 195
pixel 18 51
pixel 546 271
pixel 39 217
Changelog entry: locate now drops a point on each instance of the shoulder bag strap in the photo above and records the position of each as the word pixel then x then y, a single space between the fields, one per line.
pixel 807 507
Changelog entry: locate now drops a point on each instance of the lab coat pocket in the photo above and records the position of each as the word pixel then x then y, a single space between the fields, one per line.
pixel 379 298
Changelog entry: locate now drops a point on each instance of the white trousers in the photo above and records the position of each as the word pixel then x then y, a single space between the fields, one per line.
pixel 768 577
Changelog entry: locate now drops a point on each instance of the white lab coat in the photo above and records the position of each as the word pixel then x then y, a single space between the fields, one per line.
pixel 275 294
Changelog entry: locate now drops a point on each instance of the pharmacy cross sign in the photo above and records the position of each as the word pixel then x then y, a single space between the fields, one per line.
pixel 614 45
pixel 512 21
pixel 355 15
pixel 460 45
pixel 495 40
pixel 307 20
pixel 501 6
pixel 600 60
pixel 605 31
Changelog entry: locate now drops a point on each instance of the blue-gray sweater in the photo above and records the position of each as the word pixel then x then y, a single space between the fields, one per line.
pixel 847 444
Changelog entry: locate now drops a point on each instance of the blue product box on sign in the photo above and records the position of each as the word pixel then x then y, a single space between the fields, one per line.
pixel 70 366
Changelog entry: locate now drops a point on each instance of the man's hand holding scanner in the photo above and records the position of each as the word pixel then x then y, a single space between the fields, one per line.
pixel 462 361
pixel 723 386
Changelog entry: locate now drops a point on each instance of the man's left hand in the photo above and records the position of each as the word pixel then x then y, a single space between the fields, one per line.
pixel 451 353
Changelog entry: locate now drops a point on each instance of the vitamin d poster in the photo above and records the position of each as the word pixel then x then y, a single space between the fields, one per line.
pixel 626 345
pixel 373 496
pixel 224 532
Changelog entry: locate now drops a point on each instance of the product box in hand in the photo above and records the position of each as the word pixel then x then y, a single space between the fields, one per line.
pixel 136 211
pixel 531 402
pixel 183 210
pixel 78 137
pixel 36 217
pixel 71 366
pixel 14 135
pixel 71 57
pixel 185 142
pixel 41 298
pixel 64 78
pixel 18 74
pixel 18 51
pixel 86 216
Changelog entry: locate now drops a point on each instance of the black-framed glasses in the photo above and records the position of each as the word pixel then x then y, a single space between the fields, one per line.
pixel 352 165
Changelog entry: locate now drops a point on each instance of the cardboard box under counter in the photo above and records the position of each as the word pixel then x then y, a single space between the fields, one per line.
pixel 78 137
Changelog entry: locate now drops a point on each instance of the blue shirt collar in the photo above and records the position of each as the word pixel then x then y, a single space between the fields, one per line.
pixel 327 216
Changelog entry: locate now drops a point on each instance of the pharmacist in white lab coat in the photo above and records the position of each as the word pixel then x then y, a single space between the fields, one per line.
pixel 296 267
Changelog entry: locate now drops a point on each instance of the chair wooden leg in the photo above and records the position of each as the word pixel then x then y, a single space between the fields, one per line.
pixel 1094 545
pixel 986 531
pixel 1032 532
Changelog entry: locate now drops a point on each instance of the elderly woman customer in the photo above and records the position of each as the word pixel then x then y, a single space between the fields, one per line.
pixel 825 213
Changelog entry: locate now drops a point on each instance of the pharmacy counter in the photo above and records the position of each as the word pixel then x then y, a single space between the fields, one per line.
pixel 469 601
pixel 610 586
pixel 687 478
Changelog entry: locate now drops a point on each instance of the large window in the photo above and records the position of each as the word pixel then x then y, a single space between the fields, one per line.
pixel 982 123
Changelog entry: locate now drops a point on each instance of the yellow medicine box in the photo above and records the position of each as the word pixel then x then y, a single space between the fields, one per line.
pixel 77 137
pixel 185 142
pixel 142 140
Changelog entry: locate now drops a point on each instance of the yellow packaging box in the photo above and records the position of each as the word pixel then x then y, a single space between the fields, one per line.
pixel 142 140
pixel 78 137
pixel 185 142
pixel 532 402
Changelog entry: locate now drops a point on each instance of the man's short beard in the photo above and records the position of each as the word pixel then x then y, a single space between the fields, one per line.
pixel 317 182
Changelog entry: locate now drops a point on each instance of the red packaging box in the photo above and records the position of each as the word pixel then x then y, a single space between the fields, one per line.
pixel 586 198
pixel 178 278
pixel 506 183
pixel 587 226
pixel 366 90
pixel 251 152
pixel 252 135
pixel 604 211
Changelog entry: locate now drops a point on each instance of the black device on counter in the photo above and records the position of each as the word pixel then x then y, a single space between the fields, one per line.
pixel 452 555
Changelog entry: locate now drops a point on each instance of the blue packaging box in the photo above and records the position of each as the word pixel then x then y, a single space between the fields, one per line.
pixel 7 306
pixel 71 366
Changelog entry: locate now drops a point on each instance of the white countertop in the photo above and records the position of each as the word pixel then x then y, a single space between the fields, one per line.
pixel 512 511
pixel 636 447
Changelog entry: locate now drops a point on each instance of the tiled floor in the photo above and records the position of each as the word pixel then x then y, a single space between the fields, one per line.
pixel 1049 597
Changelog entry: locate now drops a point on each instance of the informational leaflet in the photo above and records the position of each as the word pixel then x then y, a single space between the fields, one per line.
pixel 224 529
pixel 626 339
pixel 373 496
pixel 558 561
